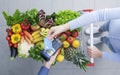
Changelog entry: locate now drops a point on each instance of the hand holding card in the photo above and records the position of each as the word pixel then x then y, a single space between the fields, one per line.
pixel 50 47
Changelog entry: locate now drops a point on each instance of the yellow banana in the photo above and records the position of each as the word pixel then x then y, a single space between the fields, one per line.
pixel 37 39
pixel 35 33
pixel 36 36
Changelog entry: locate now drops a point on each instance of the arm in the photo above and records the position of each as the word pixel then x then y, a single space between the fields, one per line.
pixel 94 52
pixel 111 56
pixel 95 16
pixel 43 71
pixel 86 19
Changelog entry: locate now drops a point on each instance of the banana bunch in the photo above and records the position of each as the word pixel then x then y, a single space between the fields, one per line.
pixel 44 32
pixel 36 36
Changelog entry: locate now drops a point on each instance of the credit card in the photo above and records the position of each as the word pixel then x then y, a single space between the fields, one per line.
pixel 47 44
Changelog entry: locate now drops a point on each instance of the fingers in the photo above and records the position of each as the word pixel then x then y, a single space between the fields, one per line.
pixel 90 52
pixel 94 52
pixel 52 33
pixel 57 53
pixel 52 58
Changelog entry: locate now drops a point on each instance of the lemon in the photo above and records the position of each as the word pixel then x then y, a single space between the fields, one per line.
pixel 66 44
pixel 76 43
pixel 60 58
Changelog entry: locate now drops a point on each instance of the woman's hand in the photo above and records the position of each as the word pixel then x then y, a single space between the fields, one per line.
pixel 52 59
pixel 57 30
pixel 94 52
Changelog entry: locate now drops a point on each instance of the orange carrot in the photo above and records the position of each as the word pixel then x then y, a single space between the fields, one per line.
pixel 22 39
pixel 28 40
pixel 28 35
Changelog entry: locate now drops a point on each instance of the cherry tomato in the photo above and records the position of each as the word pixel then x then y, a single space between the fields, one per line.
pixel 10 44
pixel 8 38
pixel 15 45
pixel 21 33
pixel 9 33
pixel 7 30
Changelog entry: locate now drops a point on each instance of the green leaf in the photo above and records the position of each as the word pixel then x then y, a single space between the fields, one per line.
pixel 31 16
pixel 16 15
pixel 78 29
pixel 84 68
pixel 6 15
pixel 34 53
pixel 65 16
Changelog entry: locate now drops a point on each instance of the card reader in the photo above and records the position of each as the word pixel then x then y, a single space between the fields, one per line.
pixel 50 48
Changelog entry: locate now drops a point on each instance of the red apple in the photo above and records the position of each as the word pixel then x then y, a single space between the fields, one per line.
pixel 75 33
pixel 63 37
pixel 68 32
pixel 58 35
pixel 70 39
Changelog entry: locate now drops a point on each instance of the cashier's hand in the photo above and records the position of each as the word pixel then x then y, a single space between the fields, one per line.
pixel 94 52
pixel 54 31
pixel 52 59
